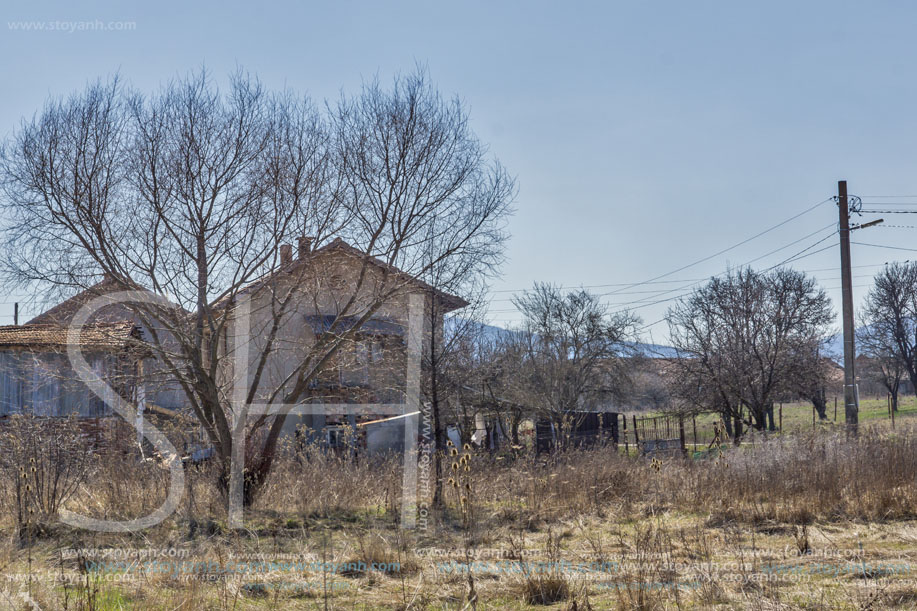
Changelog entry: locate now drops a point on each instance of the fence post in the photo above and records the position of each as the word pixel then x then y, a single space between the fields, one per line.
pixel 624 428
pixel 681 433
pixel 780 412
pixel 694 426
pixel 835 408
pixel 636 436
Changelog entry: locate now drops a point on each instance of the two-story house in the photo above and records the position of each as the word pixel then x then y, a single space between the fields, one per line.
pixel 316 296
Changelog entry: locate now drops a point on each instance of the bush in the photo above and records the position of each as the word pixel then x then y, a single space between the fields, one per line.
pixel 42 463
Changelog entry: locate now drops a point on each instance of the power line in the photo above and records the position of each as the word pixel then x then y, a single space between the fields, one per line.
pixel 680 280
pixel 889 196
pixel 888 212
pixel 788 260
pixel 599 286
pixel 776 250
pixel 800 255
pixel 694 280
pixel 642 303
pixel 885 246
pixel 698 262
pixel 734 246
pixel 823 269
pixel 804 253
pixel 795 257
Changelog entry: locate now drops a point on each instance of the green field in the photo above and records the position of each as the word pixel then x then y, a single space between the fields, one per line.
pixel 797 417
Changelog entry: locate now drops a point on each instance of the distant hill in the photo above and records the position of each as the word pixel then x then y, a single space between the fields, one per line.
pixel 835 347
pixel 656 351
pixel 652 351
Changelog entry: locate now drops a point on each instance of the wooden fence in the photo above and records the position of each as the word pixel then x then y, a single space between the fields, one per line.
pixel 653 433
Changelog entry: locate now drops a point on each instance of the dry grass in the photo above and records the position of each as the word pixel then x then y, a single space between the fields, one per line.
pixel 806 521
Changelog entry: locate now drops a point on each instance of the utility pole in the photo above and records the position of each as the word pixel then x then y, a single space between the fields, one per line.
pixel 851 409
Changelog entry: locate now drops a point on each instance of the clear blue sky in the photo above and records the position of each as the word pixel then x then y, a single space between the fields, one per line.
pixel 644 135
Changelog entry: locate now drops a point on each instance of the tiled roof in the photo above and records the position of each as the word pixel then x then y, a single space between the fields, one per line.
pixel 450 302
pixel 105 336
pixel 63 313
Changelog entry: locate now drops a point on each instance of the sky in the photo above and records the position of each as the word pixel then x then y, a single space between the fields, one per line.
pixel 644 135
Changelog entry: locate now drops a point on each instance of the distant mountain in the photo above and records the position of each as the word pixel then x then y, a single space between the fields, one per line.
pixel 656 351
pixel 834 348
pixel 651 351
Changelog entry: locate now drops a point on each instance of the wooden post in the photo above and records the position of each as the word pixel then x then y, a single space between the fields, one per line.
pixel 781 417
pixel 851 403
pixel 636 436
pixel 694 426
pixel 624 428
pixel 835 408
pixel 681 433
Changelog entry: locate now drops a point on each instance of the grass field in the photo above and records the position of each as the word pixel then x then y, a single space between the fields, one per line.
pixel 797 418
pixel 800 521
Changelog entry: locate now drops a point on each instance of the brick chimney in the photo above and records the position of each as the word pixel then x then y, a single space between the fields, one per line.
pixel 305 247
pixel 286 254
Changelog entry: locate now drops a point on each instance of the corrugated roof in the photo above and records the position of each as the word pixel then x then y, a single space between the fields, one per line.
pixel 105 336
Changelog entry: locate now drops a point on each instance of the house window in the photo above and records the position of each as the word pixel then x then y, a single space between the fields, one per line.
pixel 355 366
pixel 334 436
pixel 376 352
pixel 363 351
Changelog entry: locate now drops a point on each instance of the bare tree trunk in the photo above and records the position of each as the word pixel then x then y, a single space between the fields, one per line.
pixel 758 415
pixel 821 404
pixel 515 430
pixel 439 442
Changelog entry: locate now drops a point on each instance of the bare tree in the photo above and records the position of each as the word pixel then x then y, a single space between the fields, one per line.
pixel 573 353
pixel 650 388
pixel 192 192
pixel 445 380
pixel 484 375
pixel 888 333
pixel 879 365
pixel 744 340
